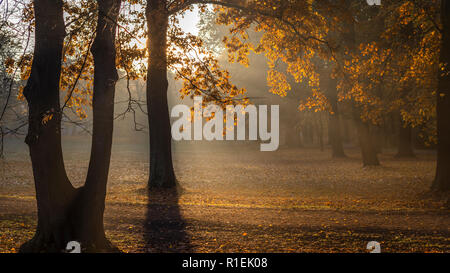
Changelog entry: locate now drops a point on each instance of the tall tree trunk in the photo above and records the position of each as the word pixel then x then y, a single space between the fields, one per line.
pixel 161 167
pixel 442 180
pixel 334 124
pixel 352 39
pixel 405 147
pixel 308 132
pixel 54 191
pixel 337 147
pixel 66 213
pixel 367 141
pixel 368 147
pixel 390 139
pixel 92 199
pixel 320 134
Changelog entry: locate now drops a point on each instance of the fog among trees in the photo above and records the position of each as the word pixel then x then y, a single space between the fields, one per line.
pixel 87 153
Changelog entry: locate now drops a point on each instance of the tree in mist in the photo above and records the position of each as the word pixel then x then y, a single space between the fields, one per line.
pixel 200 76
pixel 329 86
pixel 205 77
pixel 168 48
pixel 392 71
pixel 381 62
pixel 296 34
pixel 381 73
pixel 66 213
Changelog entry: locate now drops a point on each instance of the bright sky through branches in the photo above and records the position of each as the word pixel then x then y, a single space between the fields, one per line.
pixel 190 20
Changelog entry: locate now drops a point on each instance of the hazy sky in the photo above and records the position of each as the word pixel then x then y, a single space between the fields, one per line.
pixel 190 21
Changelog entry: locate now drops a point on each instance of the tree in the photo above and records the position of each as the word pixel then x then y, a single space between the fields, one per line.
pixel 167 44
pixel 442 180
pixel 405 146
pixel 161 167
pixel 390 69
pixel 200 75
pixel 329 87
pixel 351 79
pixel 306 37
pixel 66 213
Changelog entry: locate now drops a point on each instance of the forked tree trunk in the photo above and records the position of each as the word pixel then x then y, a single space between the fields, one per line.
pixel 442 180
pixel 161 168
pixel 66 213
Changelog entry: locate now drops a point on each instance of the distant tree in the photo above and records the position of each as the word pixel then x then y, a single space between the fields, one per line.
pixel 304 36
pixel 404 143
pixel 384 60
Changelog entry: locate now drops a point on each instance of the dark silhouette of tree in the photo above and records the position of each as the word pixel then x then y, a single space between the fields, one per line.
pixel 161 167
pixel 442 179
pixel 66 213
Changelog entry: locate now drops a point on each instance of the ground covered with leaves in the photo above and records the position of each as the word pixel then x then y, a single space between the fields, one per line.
pixel 233 198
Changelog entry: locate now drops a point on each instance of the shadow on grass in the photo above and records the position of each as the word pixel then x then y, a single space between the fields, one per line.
pixel 164 227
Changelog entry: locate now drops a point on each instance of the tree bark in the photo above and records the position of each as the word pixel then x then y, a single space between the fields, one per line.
pixel 337 147
pixel 334 124
pixel 329 85
pixel 161 167
pixel 92 199
pixel 367 141
pixel 54 192
pixel 442 180
pixel 66 213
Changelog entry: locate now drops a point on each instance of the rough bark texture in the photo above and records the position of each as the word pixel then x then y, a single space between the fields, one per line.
pixel 161 168
pixel 66 213
pixel 442 179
